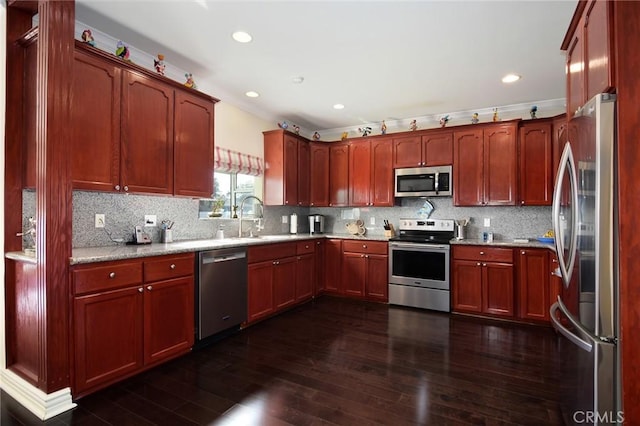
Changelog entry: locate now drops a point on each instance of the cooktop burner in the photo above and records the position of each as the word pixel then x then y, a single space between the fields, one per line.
pixel 428 231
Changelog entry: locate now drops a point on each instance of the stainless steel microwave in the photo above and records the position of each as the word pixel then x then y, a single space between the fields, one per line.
pixel 424 182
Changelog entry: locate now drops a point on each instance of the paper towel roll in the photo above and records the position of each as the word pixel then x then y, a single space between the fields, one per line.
pixel 293 224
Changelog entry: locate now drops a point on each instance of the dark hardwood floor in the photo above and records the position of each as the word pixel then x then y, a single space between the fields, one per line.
pixel 340 361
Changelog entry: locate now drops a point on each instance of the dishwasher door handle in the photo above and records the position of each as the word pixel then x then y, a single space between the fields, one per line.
pixel 223 258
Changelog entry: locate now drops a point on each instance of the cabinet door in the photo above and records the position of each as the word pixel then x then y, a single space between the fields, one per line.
pixel 168 318
pixel 599 48
pixel 536 164
pixel 497 289
pixel 576 69
pixel 468 168
pixel 437 149
pixel 305 277
pixel 359 173
pixel 320 267
pixel 147 135
pixel 259 290
pixel 29 106
pixel 304 159
pixel 382 191
pixel 377 285
pixel 533 284
pixel 95 133
pixel 407 152
pixel 558 140
pixel 354 273
pixel 466 288
pixel 333 266
pixel 319 172
pixel 500 154
pixel 284 283
pixel 193 146
pixel 290 170
pixel 108 336
pixel 339 175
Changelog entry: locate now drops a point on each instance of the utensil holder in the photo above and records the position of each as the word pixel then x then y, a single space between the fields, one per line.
pixel 391 232
pixel 167 236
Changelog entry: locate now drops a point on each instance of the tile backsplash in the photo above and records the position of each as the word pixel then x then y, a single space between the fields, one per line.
pixel 124 211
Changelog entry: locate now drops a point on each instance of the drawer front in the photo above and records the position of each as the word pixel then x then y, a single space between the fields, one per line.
pixel 492 254
pixel 304 247
pixel 167 267
pixel 370 247
pixel 106 277
pixel 270 252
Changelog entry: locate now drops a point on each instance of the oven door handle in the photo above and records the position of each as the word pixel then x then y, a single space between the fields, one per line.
pixel 424 247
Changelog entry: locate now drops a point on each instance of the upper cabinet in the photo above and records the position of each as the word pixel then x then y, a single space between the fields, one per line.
pixel 431 148
pixel 286 176
pixel 319 174
pixel 339 174
pixel 589 47
pixel 371 172
pixel 535 158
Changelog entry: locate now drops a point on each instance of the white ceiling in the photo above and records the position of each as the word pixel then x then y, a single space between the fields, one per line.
pixel 384 60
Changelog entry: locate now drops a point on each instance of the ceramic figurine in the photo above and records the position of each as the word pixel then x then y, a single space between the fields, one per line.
pixel 296 129
pixel 533 111
pixel 344 135
pixel 159 64
pixel 122 51
pixel 365 131
pixel 190 83
pixel 284 125
pixel 474 118
pixel 444 120
pixel 413 125
pixel 495 115
pixel 316 136
pixel 383 128
pixel 87 37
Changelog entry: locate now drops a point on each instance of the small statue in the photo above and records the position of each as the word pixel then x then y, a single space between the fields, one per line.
pixel 383 128
pixel 284 125
pixel 444 120
pixel 495 115
pixel 413 125
pixel 190 83
pixel 122 51
pixel 344 136
pixel 235 212
pixel 365 131
pixel 159 64
pixel 533 111
pixel 87 37
pixel 474 118
pixel 296 129
pixel 316 136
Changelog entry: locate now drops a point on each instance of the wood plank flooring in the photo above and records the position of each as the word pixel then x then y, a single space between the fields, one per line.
pixel 346 362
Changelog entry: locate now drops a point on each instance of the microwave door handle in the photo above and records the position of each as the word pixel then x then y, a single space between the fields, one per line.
pixel 437 178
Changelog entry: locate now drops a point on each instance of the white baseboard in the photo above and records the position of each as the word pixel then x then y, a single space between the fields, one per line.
pixel 43 405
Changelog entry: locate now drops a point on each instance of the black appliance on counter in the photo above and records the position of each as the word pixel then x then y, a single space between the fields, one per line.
pixel 419 264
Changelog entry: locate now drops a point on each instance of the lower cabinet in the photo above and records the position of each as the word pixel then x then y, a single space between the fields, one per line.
pixel 534 284
pixel 128 316
pixel 333 266
pixel 365 269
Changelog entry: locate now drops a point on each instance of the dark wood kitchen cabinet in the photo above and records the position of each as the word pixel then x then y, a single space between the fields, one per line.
pixel 359 172
pixel 259 290
pixel 534 284
pixel 304 178
pixel 535 159
pixel 484 164
pixel 319 175
pixel 371 173
pixel 365 269
pixel 430 148
pixel 339 174
pixel 333 266
pixel 126 319
pixel 286 176
pixel 559 138
pixel 305 270
pixel 320 266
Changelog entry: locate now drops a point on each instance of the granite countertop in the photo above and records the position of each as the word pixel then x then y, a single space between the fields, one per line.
pixel 532 243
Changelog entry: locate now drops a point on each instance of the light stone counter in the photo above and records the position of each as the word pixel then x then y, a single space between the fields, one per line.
pixel 532 243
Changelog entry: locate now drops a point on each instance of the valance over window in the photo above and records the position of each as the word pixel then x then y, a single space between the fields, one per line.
pixel 228 161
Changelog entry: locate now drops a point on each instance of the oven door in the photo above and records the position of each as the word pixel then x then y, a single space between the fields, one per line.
pixel 419 265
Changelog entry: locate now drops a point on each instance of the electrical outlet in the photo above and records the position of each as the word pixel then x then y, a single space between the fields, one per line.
pixel 99 220
pixel 150 220
pixel 487 222
pixel 285 219
pixel 372 221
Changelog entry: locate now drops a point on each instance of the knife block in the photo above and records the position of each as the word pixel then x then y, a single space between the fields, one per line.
pixel 391 232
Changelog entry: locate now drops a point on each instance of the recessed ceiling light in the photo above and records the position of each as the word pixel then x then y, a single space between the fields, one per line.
pixel 338 106
pixel 297 80
pixel 242 37
pixel 511 78
pixel 252 94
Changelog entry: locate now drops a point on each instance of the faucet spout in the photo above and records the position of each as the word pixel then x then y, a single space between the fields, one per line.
pixel 259 201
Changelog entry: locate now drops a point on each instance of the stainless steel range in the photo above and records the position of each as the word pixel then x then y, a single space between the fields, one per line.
pixel 419 264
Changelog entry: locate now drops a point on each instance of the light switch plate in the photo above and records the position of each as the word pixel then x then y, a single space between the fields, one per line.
pixel 99 220
pixel 285 219
pixel 372 220
pixel 150 220
pixel 487 222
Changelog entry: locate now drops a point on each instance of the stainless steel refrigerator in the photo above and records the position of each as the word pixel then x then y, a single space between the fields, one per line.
pixel 585 225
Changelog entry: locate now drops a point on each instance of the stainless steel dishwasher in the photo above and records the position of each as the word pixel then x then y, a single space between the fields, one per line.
pixel 222 291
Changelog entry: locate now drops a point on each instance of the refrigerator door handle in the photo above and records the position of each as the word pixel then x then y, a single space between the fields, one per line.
pixel 573 338
pixel 566 267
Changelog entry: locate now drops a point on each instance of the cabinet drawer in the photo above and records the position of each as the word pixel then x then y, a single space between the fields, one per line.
pixel 106 277
pixel 492 254
pixel 304 247
pixel 370 247
pixel 165 268
pixel 271 251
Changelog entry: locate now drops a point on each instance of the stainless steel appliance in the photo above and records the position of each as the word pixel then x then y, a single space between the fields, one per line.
pixel 424 182
pixel 419 264
pixel 316 224
pixel 585 226
pixel 221 293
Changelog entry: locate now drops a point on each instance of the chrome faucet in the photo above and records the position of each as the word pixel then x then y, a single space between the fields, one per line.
pixel 242 208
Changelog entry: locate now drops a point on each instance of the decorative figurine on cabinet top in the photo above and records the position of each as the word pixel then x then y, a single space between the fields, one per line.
pixel 344 135
pixel 365 131
pixel 383 128
pixel 474 118
pixel 413 125
pixel 122 51
pixel 316 136
pixel 87 37
pixel 284 125
pixel 296 129
pixel 495 115
pixel 444 120
pixel 159 65
pixel 190 83
pixel 533 111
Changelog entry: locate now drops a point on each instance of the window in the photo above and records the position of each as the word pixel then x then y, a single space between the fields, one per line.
pixel 229 189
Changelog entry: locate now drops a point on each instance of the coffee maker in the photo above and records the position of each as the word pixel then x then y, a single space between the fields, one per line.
pixel 316 224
